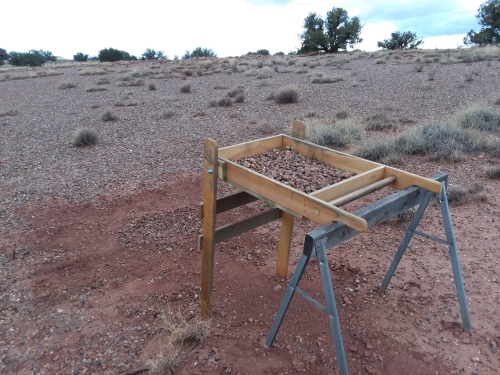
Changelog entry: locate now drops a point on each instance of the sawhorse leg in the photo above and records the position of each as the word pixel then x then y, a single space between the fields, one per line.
pixel 331 308
pixel 452 247
pixel 284 244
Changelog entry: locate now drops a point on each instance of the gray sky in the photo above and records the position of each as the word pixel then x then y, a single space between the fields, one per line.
pixel 228 27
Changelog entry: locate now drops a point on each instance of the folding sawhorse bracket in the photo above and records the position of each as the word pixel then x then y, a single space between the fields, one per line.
pixel 318 241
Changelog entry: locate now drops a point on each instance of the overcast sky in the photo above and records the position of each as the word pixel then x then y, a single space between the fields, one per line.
pixel 228 27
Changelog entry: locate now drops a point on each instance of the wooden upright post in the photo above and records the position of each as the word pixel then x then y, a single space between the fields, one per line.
pixel 209 212
pixel 298 129
pixel 284 245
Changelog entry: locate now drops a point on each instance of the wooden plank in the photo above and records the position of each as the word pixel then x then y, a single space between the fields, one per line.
pixel 298 130
pixel 363 191
pixel 235 229
pixel 406 179
pixel 331 192
pixel 230 201
pixel 246 149
pixel 334 158
pixel 376 213
pixel 293 199
pixel 268 201
pixel 284 245
pixel 209 210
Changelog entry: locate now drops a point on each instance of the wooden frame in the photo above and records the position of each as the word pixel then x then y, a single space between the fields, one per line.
pixel 321 206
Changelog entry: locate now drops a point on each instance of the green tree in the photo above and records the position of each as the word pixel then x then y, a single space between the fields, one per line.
pixel 199 52
pixel 80 57
pixel 151 54
pixel 31 58
pixel 488 15
pixel 336 32
pixel 112 54
pixel 401 40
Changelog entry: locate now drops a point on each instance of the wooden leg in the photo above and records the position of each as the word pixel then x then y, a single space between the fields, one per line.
pixel 284 245
pixel 209 212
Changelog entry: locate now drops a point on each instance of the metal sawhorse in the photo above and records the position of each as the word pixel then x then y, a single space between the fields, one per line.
pixel 318 241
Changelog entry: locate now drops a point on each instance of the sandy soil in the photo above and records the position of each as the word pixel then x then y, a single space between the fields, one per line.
pixel 98 246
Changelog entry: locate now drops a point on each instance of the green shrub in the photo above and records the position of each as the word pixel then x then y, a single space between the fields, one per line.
pixel 31 58
pixel 85 137
pixel 376 149
pixel 199 52
pixel 483 119
pixel 335 134
pixel 80 57
pixel 286 94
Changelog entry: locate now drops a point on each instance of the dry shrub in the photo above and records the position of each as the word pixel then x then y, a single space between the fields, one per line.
pixel 240 98
pixel 333 133
pixel 152 87
pixel 224 102
pixel 457 194
pixel 327 79
pixel 406 216
pixel 108 116
pixel 481 118
pixel 234 92
pixel 183 337
pixel 286 94
pixel 66 85
pixel 493 171
pixel 378 121
pixel 94 89
pixel 185 88
pixel 264 127
pixel 92 72
pixel 264 73
pixel 168 113
pixel 8 112
pixel 103 81
pixel 84 137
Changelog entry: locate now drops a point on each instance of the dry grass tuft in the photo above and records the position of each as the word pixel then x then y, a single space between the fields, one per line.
pixel 457 194
pixel 378 121
pixel 327 79
pixel 93 72
pixel 406 216
pixel 84 137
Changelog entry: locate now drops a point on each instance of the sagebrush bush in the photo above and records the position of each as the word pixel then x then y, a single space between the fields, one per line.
pixel 185 88
pixel 456 194
pixel 67 85
pixel 335 134
pixel 168 113
pixel 103 81
pixel 493 172
pixel 239 98
pixel 264 73
pixel 378 121
pixel 108 116
pixel 376 149
pixel 152 86
pixel 483 119
pixel 85 137
pixel 327 79
pixel 94 89
pixel 234 92
pixel 224 102
pixel 286 94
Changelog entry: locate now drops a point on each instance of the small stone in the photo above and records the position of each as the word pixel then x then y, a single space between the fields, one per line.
pixel 353 348
pixel 368 353
pixel 139 328
pixel 476 359
pixel 369 346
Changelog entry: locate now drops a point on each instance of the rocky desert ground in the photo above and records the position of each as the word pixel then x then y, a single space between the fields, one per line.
pixel 100 270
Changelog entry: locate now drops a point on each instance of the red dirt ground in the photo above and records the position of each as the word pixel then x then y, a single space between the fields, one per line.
pixel 95 281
